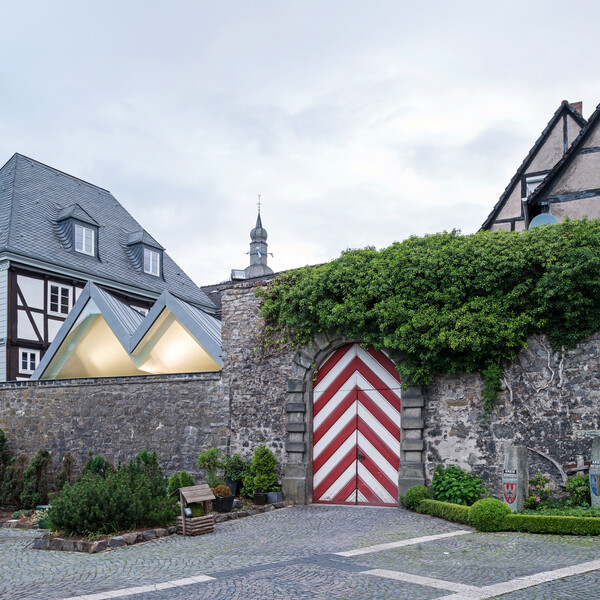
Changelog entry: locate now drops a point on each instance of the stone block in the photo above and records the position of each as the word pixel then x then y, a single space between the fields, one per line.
pixel 41 544
pixel 295 447
pixel 221 518
pixel 412 456
pixel 172 529
pixel 56 543
pixel 412 445
pixel 295 385
pixel 295 427
pixel 116 542
pixel 99 546
pixel 68 546
pixel 149 535
pixel 413 391
pixel 404 483
pixel 132 538
pixel 412 423
pixel 595 473
pixel 411 402
pixel 515 477
pixel 295 489
pixel 412 412
pixel 161 532
pixel 322 341
pixel 83 546
pixel 299 407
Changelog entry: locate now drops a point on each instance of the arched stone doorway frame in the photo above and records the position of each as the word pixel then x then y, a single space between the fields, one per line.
pixel 297 481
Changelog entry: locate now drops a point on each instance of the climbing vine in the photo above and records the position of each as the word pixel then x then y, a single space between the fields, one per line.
pixel 448 303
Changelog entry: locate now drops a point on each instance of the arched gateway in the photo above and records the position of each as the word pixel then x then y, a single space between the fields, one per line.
pixel 356 428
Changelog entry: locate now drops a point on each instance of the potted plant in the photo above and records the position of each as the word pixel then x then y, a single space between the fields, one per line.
pixel 223 502
pixel 263 473
pixel 235 469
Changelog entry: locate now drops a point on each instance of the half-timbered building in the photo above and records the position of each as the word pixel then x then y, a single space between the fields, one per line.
pixel 58 232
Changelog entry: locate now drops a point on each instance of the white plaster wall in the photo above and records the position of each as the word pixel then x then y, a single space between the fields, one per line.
pixel 573 129
pixel 32 290
pixel 512 206
pixel 594 139
pixel 582 174
pixel 497 226
pixel 577 209
pixel 550 152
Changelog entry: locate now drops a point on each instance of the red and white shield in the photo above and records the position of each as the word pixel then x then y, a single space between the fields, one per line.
pixel 510 492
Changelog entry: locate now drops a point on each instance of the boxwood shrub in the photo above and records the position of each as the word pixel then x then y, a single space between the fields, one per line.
pixel 488 514
pixel 456 513
pixel 552 524
pixel 414 495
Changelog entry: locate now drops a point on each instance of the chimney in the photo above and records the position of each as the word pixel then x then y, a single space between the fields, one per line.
pixel 578 106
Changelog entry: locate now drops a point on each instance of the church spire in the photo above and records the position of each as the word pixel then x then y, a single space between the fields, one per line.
pixel 258 251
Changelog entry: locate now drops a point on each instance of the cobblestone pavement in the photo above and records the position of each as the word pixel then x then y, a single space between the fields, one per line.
pixel 290 554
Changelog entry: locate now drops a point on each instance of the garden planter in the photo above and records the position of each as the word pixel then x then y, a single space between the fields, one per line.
pixel 260 498
pixel 273 497
pixel 223 504
pixel 232 485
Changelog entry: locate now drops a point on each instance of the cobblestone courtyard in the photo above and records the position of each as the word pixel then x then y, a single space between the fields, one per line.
pixel 313 552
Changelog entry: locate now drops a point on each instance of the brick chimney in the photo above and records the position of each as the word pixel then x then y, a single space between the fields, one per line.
pixel 578 106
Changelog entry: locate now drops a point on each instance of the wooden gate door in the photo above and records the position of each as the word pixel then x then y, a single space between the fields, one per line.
pixel 356 429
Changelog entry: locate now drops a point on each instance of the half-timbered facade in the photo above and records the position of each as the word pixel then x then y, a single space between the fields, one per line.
pixel 511 210
pixel 57 233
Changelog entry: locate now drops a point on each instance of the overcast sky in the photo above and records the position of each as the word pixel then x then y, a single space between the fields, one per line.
pixel 359 122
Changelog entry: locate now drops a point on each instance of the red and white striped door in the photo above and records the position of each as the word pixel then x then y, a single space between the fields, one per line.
pixel 356 428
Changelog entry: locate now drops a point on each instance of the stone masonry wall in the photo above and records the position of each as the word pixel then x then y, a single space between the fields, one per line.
pixel 544 403
pixel 176 416
pixel 255 380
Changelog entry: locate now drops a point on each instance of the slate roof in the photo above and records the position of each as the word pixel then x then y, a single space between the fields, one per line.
pixel 561 166
pixel 564 108
pixel 34 196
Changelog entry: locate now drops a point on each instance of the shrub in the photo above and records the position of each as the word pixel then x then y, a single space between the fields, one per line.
pixel 221 490
pixel 12 487
pixel 452 484
pixel 552 524
pixel 457 513
pixel 538 492
pixel 263 476
pixel 210 460
pixel 66 474
pixel 35 481
pixel 235 467
pixel 488 514
pixel 4 457
pixel 178 480
pixel 130 496
pixel 578 488
pixel 97 465
pixel 414 495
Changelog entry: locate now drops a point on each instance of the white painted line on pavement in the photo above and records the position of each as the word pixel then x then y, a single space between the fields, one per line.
pixel 143 589
pixel 428 581
pixel 399 544
pixel 469 592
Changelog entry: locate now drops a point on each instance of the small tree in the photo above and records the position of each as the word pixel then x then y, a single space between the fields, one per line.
pixel 12 487
pixel 210 461
pixel 67 472
pixel 35 481
pixel 263 474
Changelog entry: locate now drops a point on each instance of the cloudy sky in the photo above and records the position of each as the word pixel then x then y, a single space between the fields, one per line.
pixel 359 122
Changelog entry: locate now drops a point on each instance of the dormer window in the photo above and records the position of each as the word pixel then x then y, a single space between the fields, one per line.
pixel 151 262
pixel 84 240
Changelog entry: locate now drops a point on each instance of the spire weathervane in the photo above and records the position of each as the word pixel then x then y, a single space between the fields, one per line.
pixel 258 203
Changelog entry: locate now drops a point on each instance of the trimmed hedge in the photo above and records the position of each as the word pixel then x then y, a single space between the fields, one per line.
pixel 488 514
pixel 456 513
pixel 414 496
pixel 552 524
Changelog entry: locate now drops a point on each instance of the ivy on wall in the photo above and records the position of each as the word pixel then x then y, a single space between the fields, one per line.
pixel 449 303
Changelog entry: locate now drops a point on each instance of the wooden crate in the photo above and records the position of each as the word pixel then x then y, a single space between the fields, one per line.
pixel 196 525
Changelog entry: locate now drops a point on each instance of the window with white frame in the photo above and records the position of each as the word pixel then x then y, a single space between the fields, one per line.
pixel 59 299
pixel 84 240
pixel 28 360
pixel 151 262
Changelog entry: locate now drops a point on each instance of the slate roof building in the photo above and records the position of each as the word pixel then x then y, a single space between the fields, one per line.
pixel 58 232
pixel 515 210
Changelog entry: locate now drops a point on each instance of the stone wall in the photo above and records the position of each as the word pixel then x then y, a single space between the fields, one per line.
pixel 546 400
pixel 254 379
pixel 176 416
